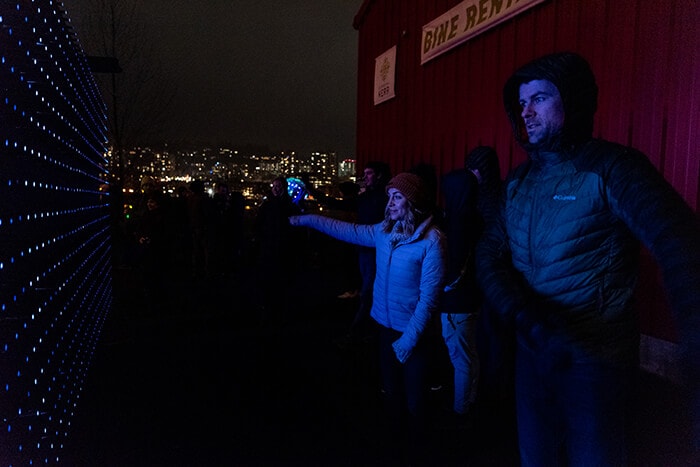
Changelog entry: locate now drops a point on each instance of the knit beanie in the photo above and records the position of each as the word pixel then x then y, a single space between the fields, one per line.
pixel 412 187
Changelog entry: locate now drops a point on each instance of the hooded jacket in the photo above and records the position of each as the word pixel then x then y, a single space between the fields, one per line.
pixel 563 252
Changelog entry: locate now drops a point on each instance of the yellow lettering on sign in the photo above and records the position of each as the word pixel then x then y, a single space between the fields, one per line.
pixel 440 34
pixel 471 17
pixel 486 10
pixel 454 22
pixel 466 20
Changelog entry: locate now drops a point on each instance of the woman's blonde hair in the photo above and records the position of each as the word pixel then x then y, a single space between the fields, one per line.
pixel 402 229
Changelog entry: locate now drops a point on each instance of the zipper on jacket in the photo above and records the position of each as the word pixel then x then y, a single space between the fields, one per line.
pixel 386 286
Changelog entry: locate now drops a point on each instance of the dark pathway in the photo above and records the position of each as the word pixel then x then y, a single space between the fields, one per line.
pixel 204 383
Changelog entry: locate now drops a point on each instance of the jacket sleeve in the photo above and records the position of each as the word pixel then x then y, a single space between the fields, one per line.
pixel 431 283
pixel 504 288
pixel 358 234
pixel 664 223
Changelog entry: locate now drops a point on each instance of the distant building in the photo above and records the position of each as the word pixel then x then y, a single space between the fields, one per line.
pixel 346 170
pixel 246 172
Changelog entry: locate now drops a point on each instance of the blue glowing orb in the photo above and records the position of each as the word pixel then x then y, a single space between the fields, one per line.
pixel 296 189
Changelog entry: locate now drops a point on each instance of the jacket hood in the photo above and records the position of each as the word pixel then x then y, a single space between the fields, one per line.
pixel 573 77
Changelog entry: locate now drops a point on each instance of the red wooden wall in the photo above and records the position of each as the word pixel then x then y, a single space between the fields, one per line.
pixel 644 55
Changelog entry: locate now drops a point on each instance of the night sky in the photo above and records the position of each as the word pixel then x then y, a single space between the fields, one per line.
pixel 277 73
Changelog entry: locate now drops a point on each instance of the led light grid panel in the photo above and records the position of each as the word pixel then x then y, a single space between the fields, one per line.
pixel 55 265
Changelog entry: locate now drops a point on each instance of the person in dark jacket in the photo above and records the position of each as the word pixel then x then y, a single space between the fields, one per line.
pixel 461 298
pixel 153 237
pixel 495 338
pixel 371 205
pixel 561 262
pixel 482 161
pixel 200 215
pixel 276 245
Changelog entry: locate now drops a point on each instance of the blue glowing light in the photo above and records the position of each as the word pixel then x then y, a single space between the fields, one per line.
pixel 296 189
pixel 56 142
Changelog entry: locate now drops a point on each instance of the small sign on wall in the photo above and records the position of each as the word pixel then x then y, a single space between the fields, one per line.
pixel 385 76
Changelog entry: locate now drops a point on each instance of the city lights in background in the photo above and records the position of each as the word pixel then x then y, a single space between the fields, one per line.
pixel 55 254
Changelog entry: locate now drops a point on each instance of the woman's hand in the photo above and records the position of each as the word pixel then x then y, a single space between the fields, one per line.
pixel 401 349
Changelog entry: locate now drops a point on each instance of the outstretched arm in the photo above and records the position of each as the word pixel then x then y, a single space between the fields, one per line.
pixel 358 234
pixel 659 217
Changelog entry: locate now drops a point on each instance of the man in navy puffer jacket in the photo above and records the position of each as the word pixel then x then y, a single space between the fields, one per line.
pixel 561 260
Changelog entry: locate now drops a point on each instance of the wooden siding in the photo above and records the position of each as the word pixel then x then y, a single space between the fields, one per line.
pixel 644 55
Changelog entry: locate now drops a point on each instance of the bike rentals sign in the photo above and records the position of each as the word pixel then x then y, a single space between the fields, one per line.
pixel 466 20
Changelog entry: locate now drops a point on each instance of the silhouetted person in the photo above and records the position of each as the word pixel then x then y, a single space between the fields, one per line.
pixel 226 230
pixel 371 205
pixel 495 337
pixel 200 213
pixel 236 218
pixel 182 235
pixel 276 244
pixel 153 238
pixel 461 298
pixel 345 255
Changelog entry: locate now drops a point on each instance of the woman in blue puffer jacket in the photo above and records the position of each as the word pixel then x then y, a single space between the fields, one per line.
pixel 410 271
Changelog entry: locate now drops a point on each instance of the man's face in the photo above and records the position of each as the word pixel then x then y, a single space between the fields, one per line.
pixel 278 188
pixel 542 110
pixel 370 177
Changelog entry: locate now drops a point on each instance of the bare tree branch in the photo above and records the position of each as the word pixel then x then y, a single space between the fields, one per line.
pixel 139 98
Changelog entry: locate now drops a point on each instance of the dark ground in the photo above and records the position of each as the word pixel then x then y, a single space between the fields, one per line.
pixel 205 383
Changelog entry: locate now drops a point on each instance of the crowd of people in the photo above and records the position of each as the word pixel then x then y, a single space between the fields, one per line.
pixel 190 233
pixel 550 261
pixel 524 285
